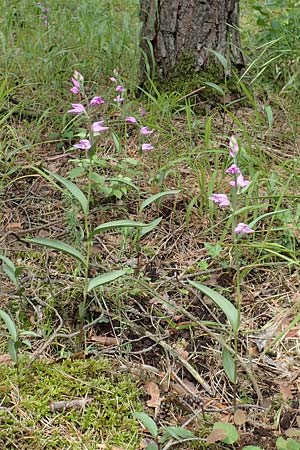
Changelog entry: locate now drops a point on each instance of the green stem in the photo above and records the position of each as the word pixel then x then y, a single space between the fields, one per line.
pixel 88 242
pixel 238 286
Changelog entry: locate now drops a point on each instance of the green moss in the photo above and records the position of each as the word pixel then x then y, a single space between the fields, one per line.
pixel 26 421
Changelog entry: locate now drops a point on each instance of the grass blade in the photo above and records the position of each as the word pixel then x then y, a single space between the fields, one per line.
pixel 156 197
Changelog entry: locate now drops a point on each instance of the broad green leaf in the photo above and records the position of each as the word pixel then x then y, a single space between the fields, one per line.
pixel 269 113
pixel 58 245
pixel 124 181
pixel 82 310
pixel 147 422
pixel 150 226
pixel 232 435
pixel 99 179
pixel 289 444
pixel 10 325
pixel 8 262
pixel 73 189
pixel 228 308
pixel 152 446
pixel 9 269
pixel 213 250
pixel 69 185
pixel 105 278
pixel 117 224
pixel 76 172
pixel 215 87
pixel 220 57
pixel 229 365
pixel 12 350
pixel 177 433
pixel 156 197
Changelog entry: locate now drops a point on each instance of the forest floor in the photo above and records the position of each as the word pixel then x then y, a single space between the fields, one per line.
pixel 153 342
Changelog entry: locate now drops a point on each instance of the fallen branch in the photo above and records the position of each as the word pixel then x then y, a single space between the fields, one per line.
pixel 70 404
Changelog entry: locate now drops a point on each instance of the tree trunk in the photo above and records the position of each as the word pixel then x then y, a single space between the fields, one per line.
pixel 181 29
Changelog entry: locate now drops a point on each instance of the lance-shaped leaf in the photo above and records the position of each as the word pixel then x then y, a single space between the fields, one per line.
pixel 150 226
pixel 229 365
pixel 156 197
pixel 10 325
pixel 69 185
pixel 148 423
pixel 115 225
pixel 58 245
pixel 228 308
pixel 10 269
pixel 105 278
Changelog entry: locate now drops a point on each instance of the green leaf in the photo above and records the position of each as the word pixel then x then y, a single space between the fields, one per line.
pixel 289 444
pixel 58 245
pixel 213 250
pixel 228 308
pixel 269 113
pixel 10 269
pixel 124 181
pixel 82 310
pixel 71 187
pixel 76 172
pixel 105 278
pixel 245 209
pixel 215 87
pixel 12 350
pixel 177 433
pixel 220 57
pixel 281 443
pixel 147 422
pixel 156 197
pixel 272 213
pixel 150 226
pixel 152 446
pixel 232 435
pixel 229 365
pixel 117 224
pixel 10 325
pixel 99 179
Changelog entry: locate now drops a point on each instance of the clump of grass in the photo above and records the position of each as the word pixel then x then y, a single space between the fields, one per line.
pixel 26 420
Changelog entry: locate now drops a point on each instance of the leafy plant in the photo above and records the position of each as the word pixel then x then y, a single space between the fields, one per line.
pixel 163 435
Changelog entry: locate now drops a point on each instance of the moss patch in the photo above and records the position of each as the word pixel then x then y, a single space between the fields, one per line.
pixel 26 420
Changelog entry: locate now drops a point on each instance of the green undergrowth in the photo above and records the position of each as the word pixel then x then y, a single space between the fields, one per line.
pixel 26 420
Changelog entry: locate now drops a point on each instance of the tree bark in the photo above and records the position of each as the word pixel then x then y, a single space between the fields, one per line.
pixel 176 29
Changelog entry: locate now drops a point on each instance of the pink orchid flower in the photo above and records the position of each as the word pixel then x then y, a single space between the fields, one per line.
pixel 233 170
pixel 84 144
pixel 120 89
pixel 98 127
pixel 242 228
pixel 220 199
pixel 78 108
pixel 119 99
pixel 233 147
pixel 145 131
pixel 130 119
pixel 96 101
pixel 147 147
pixel 239 182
